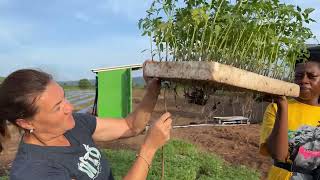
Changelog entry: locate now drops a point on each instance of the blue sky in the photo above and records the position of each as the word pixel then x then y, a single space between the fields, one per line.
pixel 67 38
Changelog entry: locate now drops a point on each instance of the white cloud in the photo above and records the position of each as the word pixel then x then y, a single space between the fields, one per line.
pixel 86 18
pixel 131 9
pixel 82 17
pixel 73 62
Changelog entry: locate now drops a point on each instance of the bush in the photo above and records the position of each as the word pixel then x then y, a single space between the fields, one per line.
pixel 84 84
pixel 4 178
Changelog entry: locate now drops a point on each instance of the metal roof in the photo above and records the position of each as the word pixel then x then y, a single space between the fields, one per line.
pixel 133 67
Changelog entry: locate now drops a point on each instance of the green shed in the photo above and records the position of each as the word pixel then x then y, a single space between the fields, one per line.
pixel 114 91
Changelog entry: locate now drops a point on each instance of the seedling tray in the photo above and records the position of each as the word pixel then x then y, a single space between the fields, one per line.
pixel 219 76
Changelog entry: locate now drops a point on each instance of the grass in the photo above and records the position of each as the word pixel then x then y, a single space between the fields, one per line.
pixel 4 178
pixel 182 161
pixel 1 79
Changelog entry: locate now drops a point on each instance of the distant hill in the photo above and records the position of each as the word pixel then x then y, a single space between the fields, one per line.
pixel 75 83
pixel 138 82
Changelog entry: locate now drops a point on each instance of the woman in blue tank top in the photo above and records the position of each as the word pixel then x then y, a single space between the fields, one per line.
pixel 59 144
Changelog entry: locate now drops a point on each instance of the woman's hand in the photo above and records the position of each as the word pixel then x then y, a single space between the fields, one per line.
pixel 159 133
pixel 153 84
pixel 282 102
pixel 157 136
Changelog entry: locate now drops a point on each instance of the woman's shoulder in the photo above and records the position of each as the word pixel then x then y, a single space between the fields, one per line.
pixel 84 118
pixel 295 104
pixel 85 121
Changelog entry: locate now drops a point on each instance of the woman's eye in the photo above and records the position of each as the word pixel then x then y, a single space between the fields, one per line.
pixel 312 76
pixel 298 76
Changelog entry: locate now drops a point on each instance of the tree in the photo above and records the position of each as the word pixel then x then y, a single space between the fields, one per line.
pixel 84 84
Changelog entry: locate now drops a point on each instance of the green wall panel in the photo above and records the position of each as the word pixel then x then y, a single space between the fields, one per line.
pixel 114 93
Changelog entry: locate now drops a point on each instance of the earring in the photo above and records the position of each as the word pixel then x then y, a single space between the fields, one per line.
pixel 31 130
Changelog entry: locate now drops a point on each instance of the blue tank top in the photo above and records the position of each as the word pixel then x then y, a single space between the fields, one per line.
pixel 81 161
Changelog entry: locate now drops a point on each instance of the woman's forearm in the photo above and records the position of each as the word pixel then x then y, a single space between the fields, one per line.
pixel 277 142
pixel 157 136
pixel 140 168
pixel 139 118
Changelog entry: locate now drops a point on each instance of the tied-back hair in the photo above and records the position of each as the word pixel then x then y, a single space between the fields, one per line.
pixel 18 95
pixel 312 54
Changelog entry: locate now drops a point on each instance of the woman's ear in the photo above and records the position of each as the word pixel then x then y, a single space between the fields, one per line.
pixel 24 124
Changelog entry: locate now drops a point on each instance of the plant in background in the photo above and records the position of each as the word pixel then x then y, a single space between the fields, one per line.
pixel 262 36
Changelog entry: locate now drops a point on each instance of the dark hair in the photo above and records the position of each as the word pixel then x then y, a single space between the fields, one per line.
pixel 312 54
pixel 18 94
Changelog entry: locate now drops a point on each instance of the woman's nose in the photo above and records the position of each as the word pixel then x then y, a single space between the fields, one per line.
pixel 305 79
pixel 68 107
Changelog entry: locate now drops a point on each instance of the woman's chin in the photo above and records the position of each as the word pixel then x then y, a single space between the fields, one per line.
pixel 305 96
pixel 71 123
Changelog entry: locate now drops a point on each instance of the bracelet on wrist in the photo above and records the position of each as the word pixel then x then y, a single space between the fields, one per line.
pixel 139 155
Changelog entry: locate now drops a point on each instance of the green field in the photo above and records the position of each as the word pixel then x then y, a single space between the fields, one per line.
pixel 1 79
pixel 69 88
pixel 182 161
pixel 4 178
